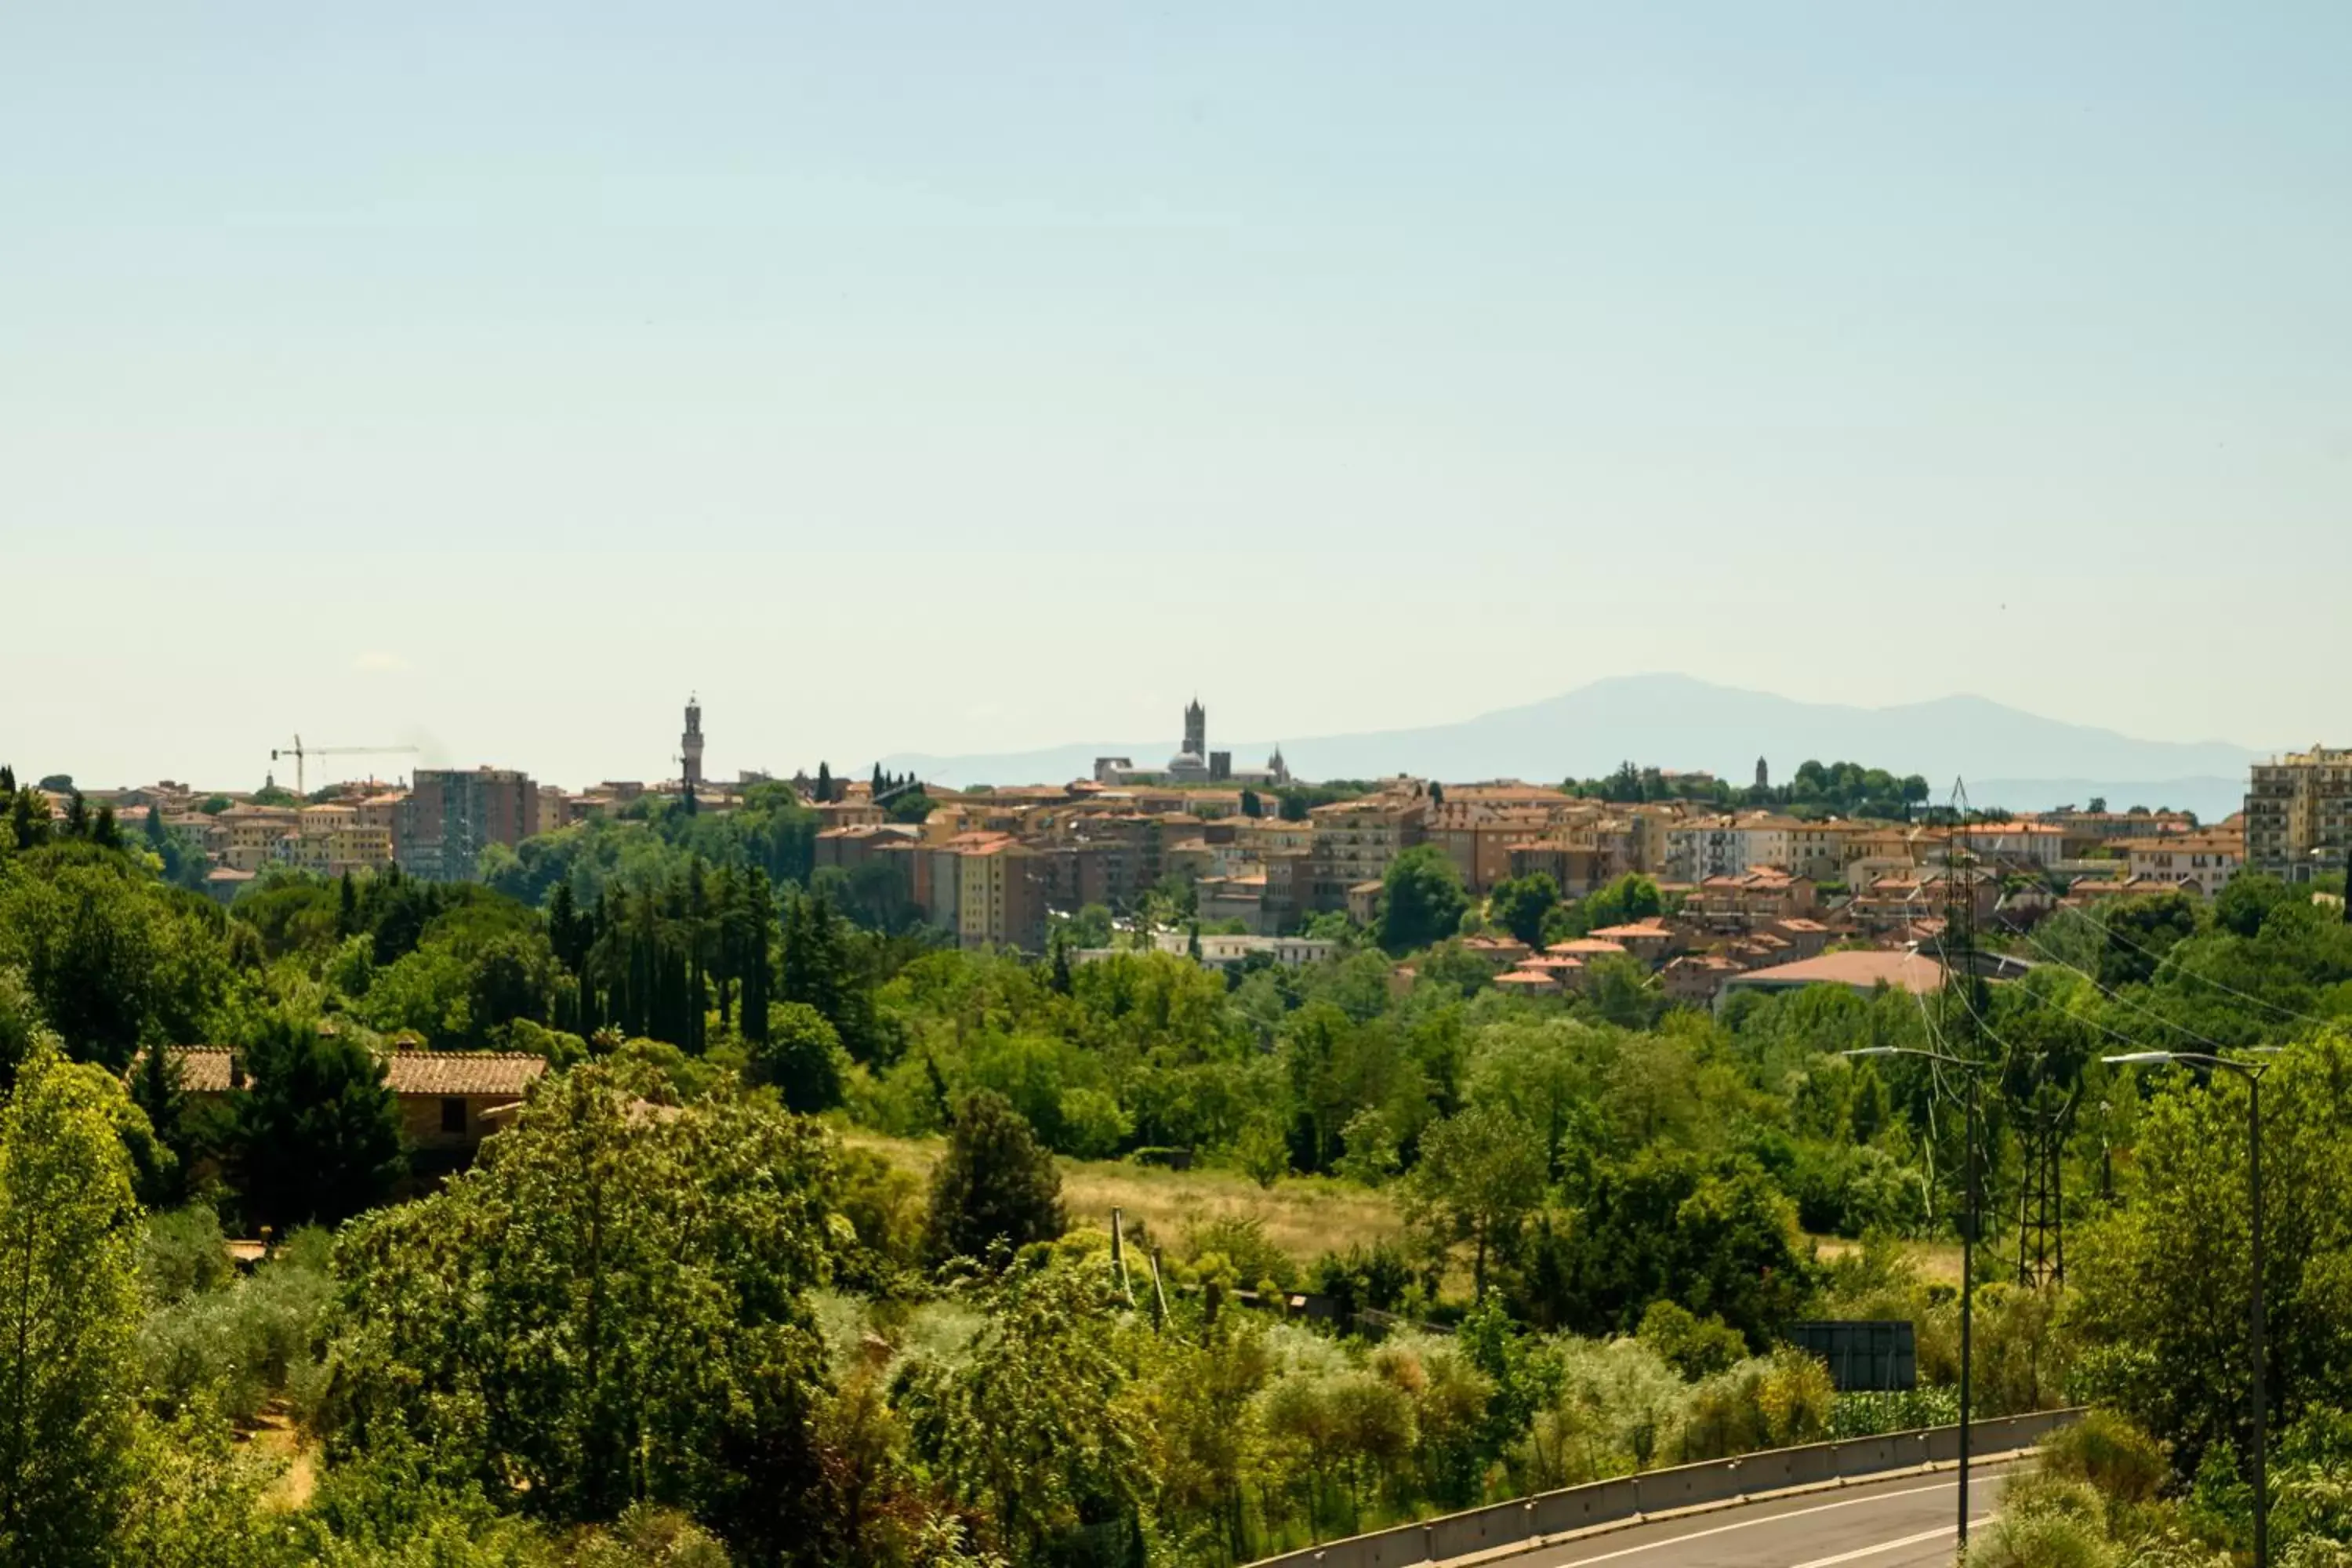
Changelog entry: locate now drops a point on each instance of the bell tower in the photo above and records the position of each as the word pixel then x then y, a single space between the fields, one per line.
pixel 689 746
pixel 1196 730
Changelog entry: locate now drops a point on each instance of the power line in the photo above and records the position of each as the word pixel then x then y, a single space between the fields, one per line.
pixel 2112 935
pixel 2119 998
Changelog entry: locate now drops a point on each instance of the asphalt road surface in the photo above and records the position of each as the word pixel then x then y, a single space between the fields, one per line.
pixel 1908 1522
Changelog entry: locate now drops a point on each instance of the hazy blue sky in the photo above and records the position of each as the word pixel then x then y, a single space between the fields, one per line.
pixel 950 377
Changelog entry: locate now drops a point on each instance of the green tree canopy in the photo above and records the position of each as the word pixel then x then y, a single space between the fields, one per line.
pixel 1032 1430
pixel 2161 1284
pixel 801 1055
pixel 1718 1237
pixel 1421 900
pixel 995 1182
pixel 609 1307
pixel 1519 904
pixel 317 1134
pixel 1481 1173
pixel 69 1307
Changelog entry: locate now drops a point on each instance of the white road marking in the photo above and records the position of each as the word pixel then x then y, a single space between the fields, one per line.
pixel 1890 1545
pixel 1752 1523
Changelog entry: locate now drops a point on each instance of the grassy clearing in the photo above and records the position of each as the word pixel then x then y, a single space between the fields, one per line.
pixel 1305 1217
pixel 1939 1261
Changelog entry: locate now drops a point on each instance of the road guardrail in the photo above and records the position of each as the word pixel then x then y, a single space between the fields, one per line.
pixel 1531 1521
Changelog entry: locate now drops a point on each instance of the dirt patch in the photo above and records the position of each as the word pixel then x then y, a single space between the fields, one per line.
pixel 274 1432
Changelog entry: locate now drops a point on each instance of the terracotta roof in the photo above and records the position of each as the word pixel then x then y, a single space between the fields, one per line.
pixel 205 1069
pixel 1637 931
pixel 1904 971
pixel 507 1073
pixel 1593 945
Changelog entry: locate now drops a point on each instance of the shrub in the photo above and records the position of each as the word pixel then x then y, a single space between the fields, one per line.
pixel 1765 1402
pixel 1694 1347
pixel 1092 1125
pixel 1242 1240
pixel 183 1254
pixel 1618 1407
pixel 649 1537
pixel 2110 1453
pixel 2046 1521
pixel 236 1349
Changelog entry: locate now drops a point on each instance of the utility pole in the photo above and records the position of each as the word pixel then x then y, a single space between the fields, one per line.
pixel 1961 983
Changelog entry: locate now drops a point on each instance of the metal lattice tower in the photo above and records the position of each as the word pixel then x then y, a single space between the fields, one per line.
pixel 2040 1194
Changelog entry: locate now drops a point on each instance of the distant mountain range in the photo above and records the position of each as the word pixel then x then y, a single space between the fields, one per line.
pixel 2007 757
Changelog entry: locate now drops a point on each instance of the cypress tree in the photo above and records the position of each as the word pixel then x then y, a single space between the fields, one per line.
pixel 157 1091
pixel 760 931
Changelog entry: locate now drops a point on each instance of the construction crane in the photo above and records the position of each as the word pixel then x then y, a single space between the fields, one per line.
pixel 302 754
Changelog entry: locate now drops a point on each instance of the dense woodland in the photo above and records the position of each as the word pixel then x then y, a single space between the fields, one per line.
pixel 687 1310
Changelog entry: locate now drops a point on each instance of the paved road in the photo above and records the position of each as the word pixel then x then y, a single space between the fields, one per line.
pixel 1905 1523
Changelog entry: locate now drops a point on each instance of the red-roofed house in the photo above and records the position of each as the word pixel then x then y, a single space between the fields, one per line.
pixel 447 1099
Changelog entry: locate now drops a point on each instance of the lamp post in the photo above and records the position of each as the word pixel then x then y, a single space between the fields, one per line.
pixel 2253 1073
pixel 1970 1222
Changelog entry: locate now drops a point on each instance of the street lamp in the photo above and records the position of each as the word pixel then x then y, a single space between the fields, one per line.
pixel 1970 1224
pixel 2253 1073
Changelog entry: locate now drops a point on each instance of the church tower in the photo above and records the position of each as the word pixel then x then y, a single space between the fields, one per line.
pixel 689 746
pixel 1196 730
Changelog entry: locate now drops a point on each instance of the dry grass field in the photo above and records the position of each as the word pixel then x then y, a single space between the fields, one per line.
pixel 1305 1217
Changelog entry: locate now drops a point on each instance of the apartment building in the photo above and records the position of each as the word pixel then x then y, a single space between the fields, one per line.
pixel 1356 839
pixel 2038 845
pixel 1289 885
pixel 1752 899
pixel 331 840
pixel 1568 856
pixel 1728 846
pixel 1479 838
pixel 1817 849
pixel 1911 904
pixel 2299 814
pixel 1000 897
pixel 852 847
pixel 2200 863
pixel 246 837
pixel 451 814
pixel 2081 830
